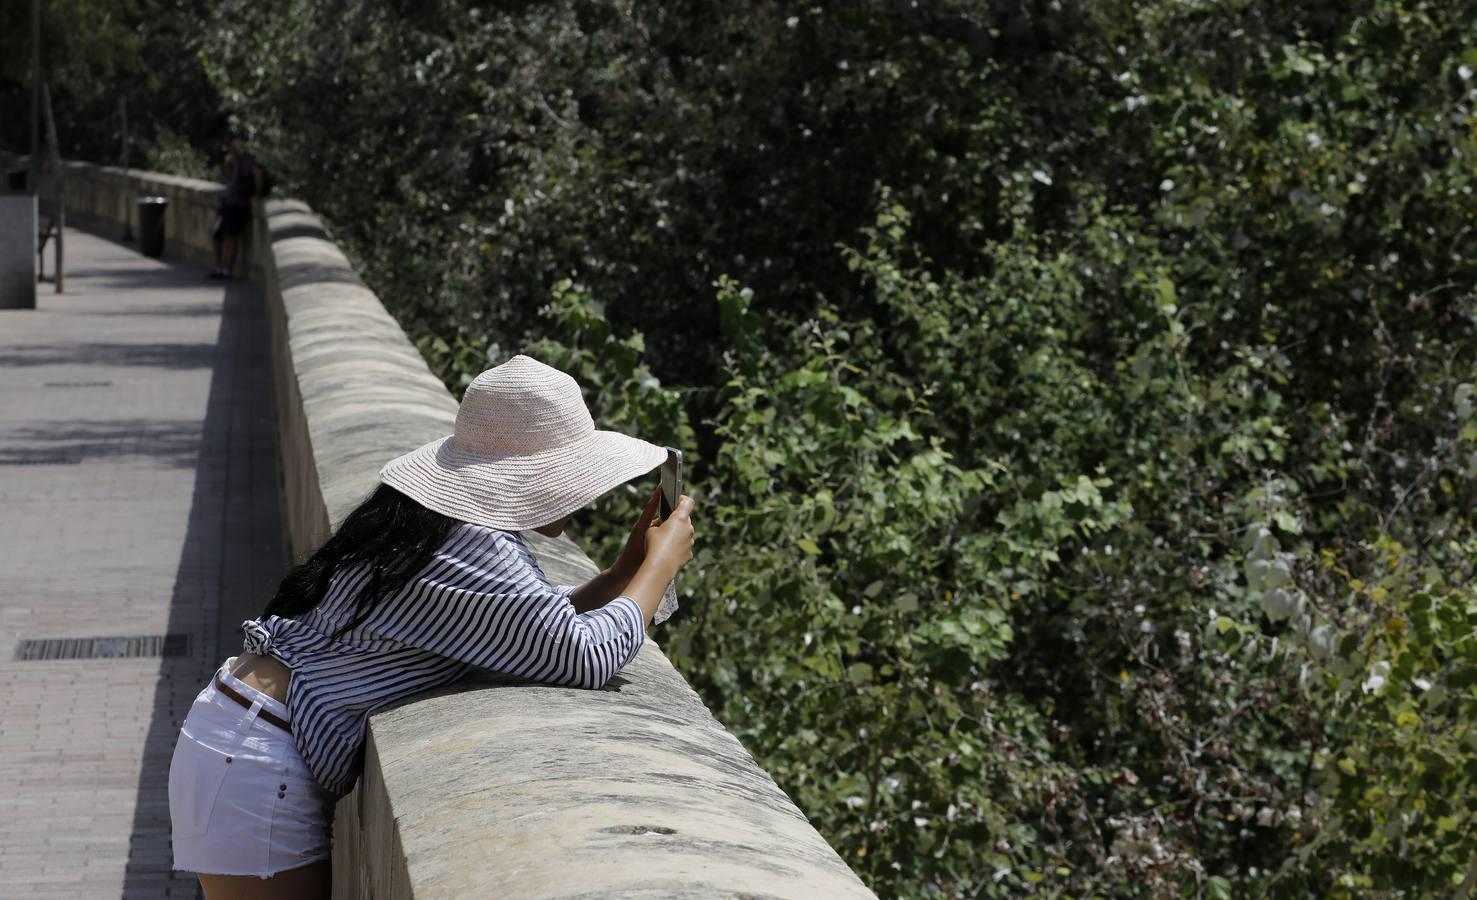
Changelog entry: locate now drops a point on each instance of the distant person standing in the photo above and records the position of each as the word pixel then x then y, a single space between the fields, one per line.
pixel 243 182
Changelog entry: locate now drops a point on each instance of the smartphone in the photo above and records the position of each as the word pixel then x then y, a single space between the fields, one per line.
pixel 671 482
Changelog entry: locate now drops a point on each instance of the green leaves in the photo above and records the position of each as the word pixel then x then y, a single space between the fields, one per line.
pixel 1294 60
pixel 1076 422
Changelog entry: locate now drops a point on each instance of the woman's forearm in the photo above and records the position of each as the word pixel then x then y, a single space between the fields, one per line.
pixel 599 590
pixel 647 586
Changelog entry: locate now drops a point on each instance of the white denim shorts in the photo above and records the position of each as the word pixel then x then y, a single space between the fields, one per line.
pixel 241 799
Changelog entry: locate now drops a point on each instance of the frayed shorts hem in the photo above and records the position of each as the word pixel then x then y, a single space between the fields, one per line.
pixel 297 865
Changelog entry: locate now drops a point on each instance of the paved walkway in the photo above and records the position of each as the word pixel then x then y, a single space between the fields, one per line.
pixel 138 497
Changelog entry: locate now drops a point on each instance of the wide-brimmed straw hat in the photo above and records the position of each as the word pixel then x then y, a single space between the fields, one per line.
pixel 525 452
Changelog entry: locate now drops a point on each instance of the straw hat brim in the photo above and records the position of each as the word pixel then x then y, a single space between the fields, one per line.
pixel 512 493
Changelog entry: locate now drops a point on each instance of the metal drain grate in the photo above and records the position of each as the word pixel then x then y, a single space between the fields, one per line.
pixel 70 384
pixel 103 647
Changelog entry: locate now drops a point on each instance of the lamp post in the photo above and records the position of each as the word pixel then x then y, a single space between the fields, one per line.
pixel 127 214
pixel 33 174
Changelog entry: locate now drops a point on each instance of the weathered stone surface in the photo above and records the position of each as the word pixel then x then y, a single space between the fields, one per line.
pixel 488 788
pixel 634 790
pixel 359 391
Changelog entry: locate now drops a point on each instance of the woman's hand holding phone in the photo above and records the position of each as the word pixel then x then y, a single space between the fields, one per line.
pixel 668 549
pixel 673 538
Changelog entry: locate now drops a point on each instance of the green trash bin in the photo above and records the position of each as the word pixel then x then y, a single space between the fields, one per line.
pixel 151 225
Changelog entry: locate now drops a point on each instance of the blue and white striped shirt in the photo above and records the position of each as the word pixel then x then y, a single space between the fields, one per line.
pixel 481 603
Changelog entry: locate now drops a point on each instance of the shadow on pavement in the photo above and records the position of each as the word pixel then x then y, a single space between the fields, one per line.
pixel 158 356
pixel 171 443
pixel 233 555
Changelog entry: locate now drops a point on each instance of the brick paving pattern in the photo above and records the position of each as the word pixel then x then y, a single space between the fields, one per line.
pixel 139 495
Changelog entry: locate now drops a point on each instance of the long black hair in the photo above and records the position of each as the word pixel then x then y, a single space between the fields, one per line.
pixel 391 533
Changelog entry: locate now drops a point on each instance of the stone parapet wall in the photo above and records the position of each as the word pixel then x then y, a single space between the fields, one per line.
pixel 105 199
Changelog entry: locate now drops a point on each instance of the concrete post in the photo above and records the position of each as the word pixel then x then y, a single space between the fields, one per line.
pixel 17 251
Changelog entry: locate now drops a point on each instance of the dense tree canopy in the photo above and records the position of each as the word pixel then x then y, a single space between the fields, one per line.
pixel 112 63
pixel 1080 394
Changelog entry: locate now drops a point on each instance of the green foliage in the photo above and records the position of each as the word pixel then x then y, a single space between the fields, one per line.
pixel 1078 396
pixel 1394 678
pixel 107 60
pixel 171 152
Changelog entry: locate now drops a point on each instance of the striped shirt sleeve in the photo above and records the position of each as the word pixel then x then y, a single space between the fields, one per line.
pixel 483 604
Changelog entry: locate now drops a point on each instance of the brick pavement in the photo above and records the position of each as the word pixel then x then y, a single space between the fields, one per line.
pixel 139 495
